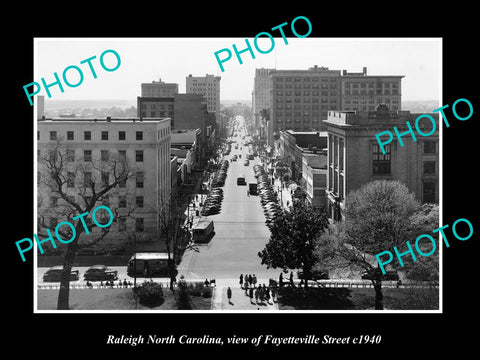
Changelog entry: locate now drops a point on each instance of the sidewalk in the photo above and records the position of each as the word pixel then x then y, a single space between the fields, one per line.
pixel 284 194
pixel 239 300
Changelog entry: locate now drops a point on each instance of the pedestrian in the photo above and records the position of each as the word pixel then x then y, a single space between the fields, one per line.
pixel 246 287
pixel 267 294
pixel 241 281
pixel 274 293
pixel 256 296
pixel 119 284
pixel 229 295
pixel 125 285
pixel 206 283
pixel 291 279
pixel 254 280
pixel 101 284
pixel 250 293
pixel 250 280
pixel 248 192
pixel 280 280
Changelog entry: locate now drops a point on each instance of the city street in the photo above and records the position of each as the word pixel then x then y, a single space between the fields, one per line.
pixel 240 229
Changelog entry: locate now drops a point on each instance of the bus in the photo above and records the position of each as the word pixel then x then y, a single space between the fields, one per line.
pixel 203 231
pixel 148 263
pixel 241 180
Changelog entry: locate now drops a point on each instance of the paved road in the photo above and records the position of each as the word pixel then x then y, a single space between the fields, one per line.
pixel 240 231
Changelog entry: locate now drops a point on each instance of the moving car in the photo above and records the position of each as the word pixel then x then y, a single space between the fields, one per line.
pixel 55 274
pixel 100 272
pixel 246 162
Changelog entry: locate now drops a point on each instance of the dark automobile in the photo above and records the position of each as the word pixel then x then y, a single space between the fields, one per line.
pixel 100 272
pixel 55 274
pixel 315 275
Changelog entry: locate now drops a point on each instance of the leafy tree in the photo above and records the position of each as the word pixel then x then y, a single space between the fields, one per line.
pixel 425 268
pixel 378 216
pixel 293 239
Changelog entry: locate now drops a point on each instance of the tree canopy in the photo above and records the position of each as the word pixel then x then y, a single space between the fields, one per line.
pixel 293 238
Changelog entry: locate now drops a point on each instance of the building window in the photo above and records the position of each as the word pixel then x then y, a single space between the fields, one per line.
pixel 429 147
pixel 122 154
pixel 70 155
pixel 87 155
pixel 104 154
pixel 104 135
pixel 139 135
pixel 70 135
pixel 105 178
pixel 70 179
pixel 122 202
pixel 87 135
pixel 139 224
pixel 429 167
pixel 87 178
pixel 139 155
pixel 429 192
pixel 122 223
pixel 53 135
pixel 121 135
pixel 53 201
pixel 139 180
pixel 139 201
pixel 381 162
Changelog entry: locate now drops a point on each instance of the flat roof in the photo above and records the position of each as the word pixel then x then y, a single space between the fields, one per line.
pixel 149 256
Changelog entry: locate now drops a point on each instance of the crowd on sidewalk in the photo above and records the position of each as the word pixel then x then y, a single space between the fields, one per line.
pixel 262 293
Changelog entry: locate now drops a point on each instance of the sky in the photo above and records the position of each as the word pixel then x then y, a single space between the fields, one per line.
pixel 144 60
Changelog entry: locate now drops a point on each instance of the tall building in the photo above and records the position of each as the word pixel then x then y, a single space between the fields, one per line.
pixel 360 91
pixel 355 157
pixel 301 99
pixel 209 87
pixel 159 89
pixel 261 90
pixel 91 153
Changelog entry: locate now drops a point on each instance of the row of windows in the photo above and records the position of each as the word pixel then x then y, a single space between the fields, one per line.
pixel 372 92
pixel 122 223
pixel 105 135
pixel 306 86
pixel 379 100
pixel 87 155
pixel 305 107
pixel 104 177
pixel 371 85
pixel 122 201
pixel 87 135
pixel 160 106
pixel 305 93
pixel 306 79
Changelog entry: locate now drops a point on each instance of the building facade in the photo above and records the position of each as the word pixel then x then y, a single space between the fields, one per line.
pixel 360 91
pixel 301 99
pixel 159 89
pixel 261 90
pixel 93 153
pixel 209 87
pixel 355 157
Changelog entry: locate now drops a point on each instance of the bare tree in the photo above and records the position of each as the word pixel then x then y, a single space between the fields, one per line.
pixel 174 231
pixel 78 185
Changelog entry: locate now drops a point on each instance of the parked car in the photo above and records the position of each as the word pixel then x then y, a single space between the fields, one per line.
pixel 246 163
pixel 100 272
pixel 54 274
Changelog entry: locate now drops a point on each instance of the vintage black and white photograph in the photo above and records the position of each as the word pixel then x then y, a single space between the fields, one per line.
pixel 274 174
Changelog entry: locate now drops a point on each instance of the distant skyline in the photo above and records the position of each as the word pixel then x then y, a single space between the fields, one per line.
pixel 172 59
